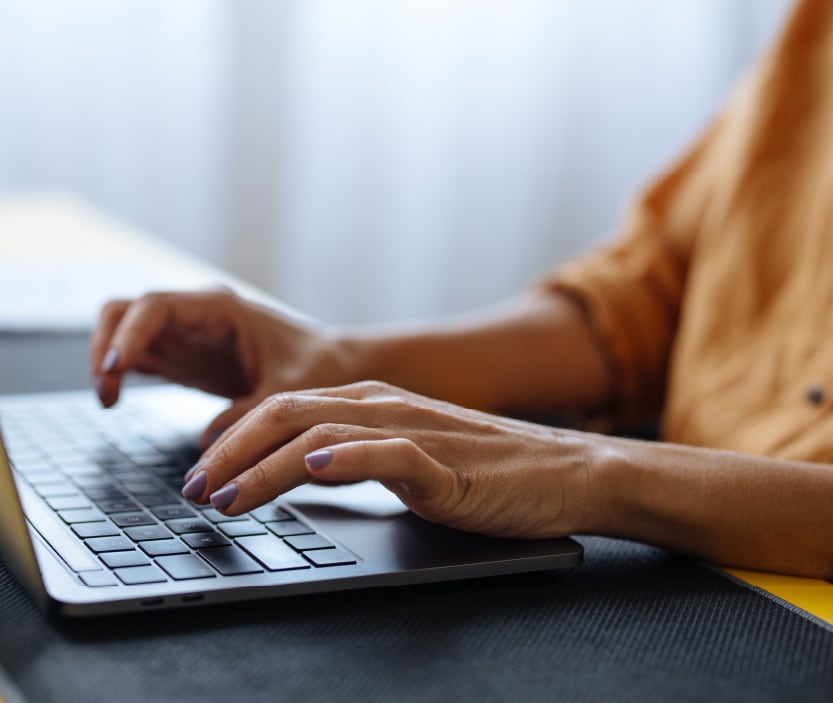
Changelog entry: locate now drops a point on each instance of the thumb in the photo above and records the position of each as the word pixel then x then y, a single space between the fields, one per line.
pixel 226 419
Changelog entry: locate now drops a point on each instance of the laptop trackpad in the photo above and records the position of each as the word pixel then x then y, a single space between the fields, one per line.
pixel 365 499
pixel 371 521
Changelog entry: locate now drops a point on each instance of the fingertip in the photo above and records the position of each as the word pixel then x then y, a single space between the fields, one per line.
pixel 107 391
pixel 223 498
pixel 195 486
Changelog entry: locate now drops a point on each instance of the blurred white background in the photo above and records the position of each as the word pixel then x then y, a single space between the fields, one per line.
pixel 366 159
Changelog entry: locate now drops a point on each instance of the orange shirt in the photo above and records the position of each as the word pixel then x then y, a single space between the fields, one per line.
pixel 715 304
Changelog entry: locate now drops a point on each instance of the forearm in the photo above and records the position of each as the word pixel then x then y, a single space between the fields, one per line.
pixel 534 352
pixel 728 508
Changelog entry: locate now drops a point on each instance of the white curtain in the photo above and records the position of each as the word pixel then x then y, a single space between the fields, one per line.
pixel 366 159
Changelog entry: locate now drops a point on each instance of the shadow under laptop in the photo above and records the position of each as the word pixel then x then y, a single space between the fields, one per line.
pixel 644 578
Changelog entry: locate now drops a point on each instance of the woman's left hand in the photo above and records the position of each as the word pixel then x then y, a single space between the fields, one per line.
pixel 462 468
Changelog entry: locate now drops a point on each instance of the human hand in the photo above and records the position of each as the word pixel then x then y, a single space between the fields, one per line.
pixel 214 341
pixel 463 468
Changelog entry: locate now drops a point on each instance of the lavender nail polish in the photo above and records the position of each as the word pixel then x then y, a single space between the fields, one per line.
pixel 224 497
pixel 111 358
pixel 318 459
pixel 195 487
pixel 192 470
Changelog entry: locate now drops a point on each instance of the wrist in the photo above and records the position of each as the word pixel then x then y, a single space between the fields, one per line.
pixel 358 357
pixel 609 480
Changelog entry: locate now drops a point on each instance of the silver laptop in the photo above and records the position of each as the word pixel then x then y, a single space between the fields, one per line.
pixel 92 523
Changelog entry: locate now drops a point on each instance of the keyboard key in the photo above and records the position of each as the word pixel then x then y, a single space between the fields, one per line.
pixel 143 487
pixel 242 528
pixel 305 542
pixel 117 505
pixel 160 547
pixel 116 560
pixel 289 527
pixel 217 517
pixel 84 471
pixel 69 502
pixel 185 566
pixel 109 544
pixel 132 519
pixel 272 552
pixel 103 493
pixel 201 540
pixel 105 528
pixel 25 462
pixel 49 490
pixel 135 575
pixel 149 500
pixel 146 532
pixel 230 561
pixel 270 513
pixel 97 579
pixel 330 557
pixel 84 515
pixel 150 457
pixel 185 525
pixel 45 476
pixel 170 512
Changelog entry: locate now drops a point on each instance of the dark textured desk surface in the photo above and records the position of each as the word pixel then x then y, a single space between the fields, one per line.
pixel 632 624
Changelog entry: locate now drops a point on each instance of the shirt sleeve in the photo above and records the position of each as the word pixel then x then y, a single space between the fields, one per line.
pixel 632 289
pixel 656 271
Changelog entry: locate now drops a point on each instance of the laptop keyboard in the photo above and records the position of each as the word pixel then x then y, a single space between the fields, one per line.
pixel 113 479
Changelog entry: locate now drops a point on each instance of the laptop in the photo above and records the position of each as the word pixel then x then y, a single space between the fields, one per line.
pixel 92 522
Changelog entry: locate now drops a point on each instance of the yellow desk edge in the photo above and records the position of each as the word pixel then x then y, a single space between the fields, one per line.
pixel 813 596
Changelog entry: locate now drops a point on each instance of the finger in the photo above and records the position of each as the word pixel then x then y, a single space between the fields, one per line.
pixel 227 420
pixel 274 422
pixel 108 320
pixel 282 417
pixel 282 470
pixel 421 483
pixel 146 318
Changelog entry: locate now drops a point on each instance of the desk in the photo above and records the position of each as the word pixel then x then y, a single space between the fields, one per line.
pixel 633 623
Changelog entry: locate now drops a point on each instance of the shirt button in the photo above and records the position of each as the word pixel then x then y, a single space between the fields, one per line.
pixel 815 395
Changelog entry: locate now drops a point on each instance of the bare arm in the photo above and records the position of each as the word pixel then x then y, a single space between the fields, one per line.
pixel 494 475
pixel 532 352
pixel 729 508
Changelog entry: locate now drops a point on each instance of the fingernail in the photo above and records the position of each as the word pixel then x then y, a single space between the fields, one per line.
pixel 223 498
pixel 192 470
pixel 318 459
pixel 111 358
pixel 195 487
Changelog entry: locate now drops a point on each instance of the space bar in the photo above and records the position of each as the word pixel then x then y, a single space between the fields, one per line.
pixel 74 554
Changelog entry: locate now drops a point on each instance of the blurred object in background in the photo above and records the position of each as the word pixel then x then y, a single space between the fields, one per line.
pixel 366 160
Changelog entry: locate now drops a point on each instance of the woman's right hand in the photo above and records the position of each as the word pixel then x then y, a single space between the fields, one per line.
pixel 217 342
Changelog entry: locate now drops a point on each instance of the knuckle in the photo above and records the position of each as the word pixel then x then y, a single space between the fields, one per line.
pixel 278 407
pixel 407 448
pixel 324 435
pixel 260 476
pixel 152 299
pixel 374 388
pixel 113 308
pixel 223 454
